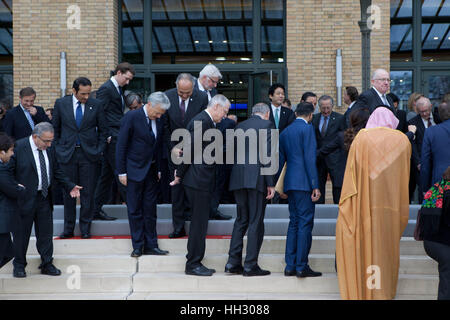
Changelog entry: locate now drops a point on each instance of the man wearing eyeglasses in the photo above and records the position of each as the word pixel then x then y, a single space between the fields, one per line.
pixel 208 79
pixel 377 95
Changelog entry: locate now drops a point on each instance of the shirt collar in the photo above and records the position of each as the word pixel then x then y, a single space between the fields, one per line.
pixel 24 110
pixel 378 92
pixel 351 104
pixel 303 120
pixel 32 144
pixel 210 116
pixel 116 84
pixel 75 100
pixel 200 86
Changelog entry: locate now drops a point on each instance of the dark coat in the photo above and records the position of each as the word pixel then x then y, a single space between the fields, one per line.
pixel 287 116
pixel 10 192
pixel 16 124
pixel 112 105
pixel 370 99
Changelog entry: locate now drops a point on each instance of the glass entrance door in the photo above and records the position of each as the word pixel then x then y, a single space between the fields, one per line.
pixel 435 85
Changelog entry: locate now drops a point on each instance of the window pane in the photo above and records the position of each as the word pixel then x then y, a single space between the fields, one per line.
pixel 133 31
pixel 272 36
pixel 401 86
pixel 435 8
pixel 436 42
pixel 401 30
pixel 6 33
pixel 192 31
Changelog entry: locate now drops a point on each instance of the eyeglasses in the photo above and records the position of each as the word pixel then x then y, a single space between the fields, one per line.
pixel 213 81
pixel 384 80
pixel 45 141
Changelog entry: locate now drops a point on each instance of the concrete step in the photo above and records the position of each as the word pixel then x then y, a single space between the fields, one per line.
pixel 276 263
pixel 66 296
pixel 253 296
pixel 271 244
pixel 86 263
pixel 89 283
pixel 273 211
pixel 273 227
pixel 275 283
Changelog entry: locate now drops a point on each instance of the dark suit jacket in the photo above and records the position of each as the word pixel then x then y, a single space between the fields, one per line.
pixel 9 193
pixel 92 132
pixel 336 146
pixel 198 176
pixel 298 148
pixel 24 168
pixel 403 124
pixel 248 176
pixel 420 132
pixel 136 148
pixel 435 154
pixel 335 125
pixel 16 124
pixel 112 104
pixel 371 100
pixel 287 116
pixel 172 118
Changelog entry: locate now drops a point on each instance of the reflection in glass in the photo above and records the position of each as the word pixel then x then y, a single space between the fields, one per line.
pixel 272 36
pixel 438 86
pixel 133 31
pixel 6 88
pixel 436 30
pixel 402 86
pixel 435 8
pixel 192 31
pixel 401 30
pixel 6 33
pixel 401 8
pixel 140 86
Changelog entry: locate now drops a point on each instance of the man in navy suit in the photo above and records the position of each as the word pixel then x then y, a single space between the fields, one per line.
pixel 435 157
pixel 111 95
pixel 298 151
pixel 80 138
pixel 20 121
pixel 138 157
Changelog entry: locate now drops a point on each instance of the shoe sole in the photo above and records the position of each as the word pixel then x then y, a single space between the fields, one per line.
pixel 198 275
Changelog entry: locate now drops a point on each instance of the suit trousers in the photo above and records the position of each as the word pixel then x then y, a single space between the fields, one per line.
pixel 80 171
pixel 251 205
pixel 323 171
pixel 6 249
pixel 42 216
pixel 299 234
pixel 107 176
pixel 141 204
pixel 180 202
pixel 441 254
pixel 200 205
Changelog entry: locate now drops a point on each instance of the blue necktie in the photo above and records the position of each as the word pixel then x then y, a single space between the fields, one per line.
pixel 121 98
pixel 29 118
pixel 79 118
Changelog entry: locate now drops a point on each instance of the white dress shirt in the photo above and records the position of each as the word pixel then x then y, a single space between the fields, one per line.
pixel 425 122
pixel 186 103
pixel 75 106
pixel 35 151
pixel 116 84
pixel 153 122
pixel 201 88
pixel 381 97
pixel 210 117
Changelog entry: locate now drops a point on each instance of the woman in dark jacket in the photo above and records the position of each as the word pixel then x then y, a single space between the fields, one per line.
pixel 10 191
pixel 437 244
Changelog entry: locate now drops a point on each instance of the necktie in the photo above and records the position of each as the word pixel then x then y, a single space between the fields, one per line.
pixel 121 97
pixel 151 129
pixel 78 119
pixel 182 109
pixel 44 177
pixel 323 130
pixel 276 117
pixel 386 103
pixel 429 123
pixel 30 119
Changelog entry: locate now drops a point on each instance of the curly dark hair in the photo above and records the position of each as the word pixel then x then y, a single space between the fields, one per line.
pixel 358 121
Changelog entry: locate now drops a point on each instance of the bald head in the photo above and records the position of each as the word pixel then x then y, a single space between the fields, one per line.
pixel 381 81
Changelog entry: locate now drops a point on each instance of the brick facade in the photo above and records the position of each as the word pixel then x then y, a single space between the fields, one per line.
pixel 41 33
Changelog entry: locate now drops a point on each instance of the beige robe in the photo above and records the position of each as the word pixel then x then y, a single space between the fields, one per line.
pixel 373 213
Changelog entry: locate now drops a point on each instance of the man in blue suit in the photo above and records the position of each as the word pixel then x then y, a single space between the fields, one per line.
pixel 138 158
pixel 435 156
pixel 298 151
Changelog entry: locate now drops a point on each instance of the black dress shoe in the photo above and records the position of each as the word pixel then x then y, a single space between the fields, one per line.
pixel 50 270
pixel 66 236
pixel 308 272
pixel 155 251
pixel 85 236
pixel 201 271
pixel 19 273
pixel 136 253
pixel 290 273
pixel 103 216
pixel 255 271
pixel 232 269
pixel 220 216
pixel 177 234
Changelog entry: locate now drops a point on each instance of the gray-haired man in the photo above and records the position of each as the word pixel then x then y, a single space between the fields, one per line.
pixel 208 79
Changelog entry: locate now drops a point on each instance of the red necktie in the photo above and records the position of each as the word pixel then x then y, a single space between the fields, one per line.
pixel 182 109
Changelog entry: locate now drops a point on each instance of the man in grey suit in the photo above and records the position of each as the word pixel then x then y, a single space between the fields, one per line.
pixel 251 190
pixel 80 138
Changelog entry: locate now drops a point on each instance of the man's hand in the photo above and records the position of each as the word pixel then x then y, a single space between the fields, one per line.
pixel 159 176
pixel 177 152
pixel 108 140
pixel 315 195
pixel 123 180
pixel 418 167
pixel 75 192
pixel 270 193
pixel 283 195
pixel 176 180
pixel 412 128
pixel 32 111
